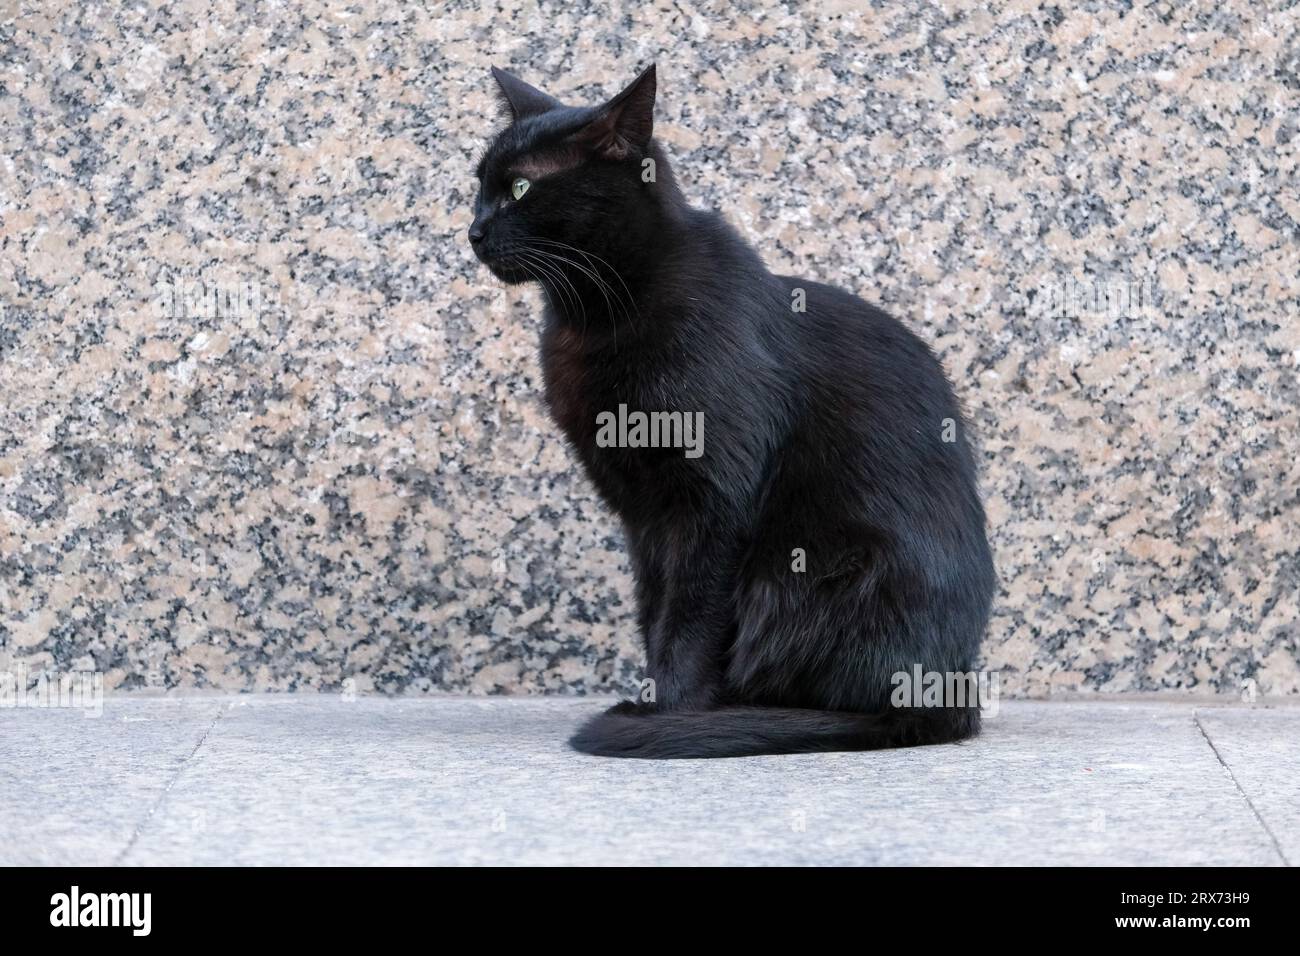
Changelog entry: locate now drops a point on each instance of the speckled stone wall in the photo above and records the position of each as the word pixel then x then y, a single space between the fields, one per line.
pixel 264 425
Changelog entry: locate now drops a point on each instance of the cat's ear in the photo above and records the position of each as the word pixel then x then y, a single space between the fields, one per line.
pixel 520 99
pixel 626 122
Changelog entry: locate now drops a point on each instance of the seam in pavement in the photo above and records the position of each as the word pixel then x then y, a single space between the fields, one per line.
pixel 1277 847
pixel 176 775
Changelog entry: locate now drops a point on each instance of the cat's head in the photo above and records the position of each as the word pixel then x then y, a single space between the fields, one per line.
pixel 564 175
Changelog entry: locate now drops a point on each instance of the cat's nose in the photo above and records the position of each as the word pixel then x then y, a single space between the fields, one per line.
pixel 477 232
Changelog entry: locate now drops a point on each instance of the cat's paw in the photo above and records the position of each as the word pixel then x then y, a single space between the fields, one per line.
pixel 631 708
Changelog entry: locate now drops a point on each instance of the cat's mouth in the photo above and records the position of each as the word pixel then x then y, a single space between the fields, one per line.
pixel 508 268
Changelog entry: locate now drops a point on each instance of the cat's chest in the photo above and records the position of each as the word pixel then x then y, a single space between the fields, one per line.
pixel 577 385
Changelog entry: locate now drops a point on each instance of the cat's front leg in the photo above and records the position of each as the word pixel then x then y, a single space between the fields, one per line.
pixel 647 577
pixel 688 632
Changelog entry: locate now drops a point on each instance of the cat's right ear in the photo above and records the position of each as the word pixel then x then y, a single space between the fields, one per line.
pixel 626 121
pixel 518 98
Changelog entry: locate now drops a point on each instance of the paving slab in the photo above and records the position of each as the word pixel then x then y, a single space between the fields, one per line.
pixel 75 787
pixel 321 780
pixel 1261 748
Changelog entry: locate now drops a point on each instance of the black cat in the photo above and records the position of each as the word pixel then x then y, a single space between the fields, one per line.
pixel 831 534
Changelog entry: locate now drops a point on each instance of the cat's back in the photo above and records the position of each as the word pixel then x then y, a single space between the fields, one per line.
pixel 852 346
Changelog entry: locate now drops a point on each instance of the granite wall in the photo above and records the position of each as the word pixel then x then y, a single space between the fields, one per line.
pixel 264 425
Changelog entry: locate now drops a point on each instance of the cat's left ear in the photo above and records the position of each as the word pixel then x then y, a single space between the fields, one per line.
pixel 626 122
pixel 519 98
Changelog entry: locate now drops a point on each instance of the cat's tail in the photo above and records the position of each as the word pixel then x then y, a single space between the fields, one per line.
pixel 750 731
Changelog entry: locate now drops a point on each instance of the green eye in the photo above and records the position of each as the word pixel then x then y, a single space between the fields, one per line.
pixel 519 187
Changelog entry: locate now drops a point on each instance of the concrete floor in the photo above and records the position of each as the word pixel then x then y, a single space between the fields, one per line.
pixel 321 780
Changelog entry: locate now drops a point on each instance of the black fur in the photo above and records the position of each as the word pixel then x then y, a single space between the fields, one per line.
pixel 824 431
